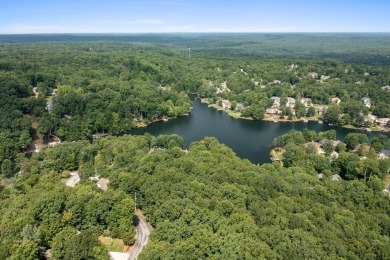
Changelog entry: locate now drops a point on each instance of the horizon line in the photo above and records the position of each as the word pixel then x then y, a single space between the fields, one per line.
pixel 200 32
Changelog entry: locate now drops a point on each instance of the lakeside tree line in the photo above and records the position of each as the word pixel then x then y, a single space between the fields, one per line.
pixel 84 88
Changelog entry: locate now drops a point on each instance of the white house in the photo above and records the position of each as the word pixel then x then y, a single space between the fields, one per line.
pixel 366 101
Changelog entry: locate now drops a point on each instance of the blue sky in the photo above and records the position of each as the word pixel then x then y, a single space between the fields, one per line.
pixel 144 16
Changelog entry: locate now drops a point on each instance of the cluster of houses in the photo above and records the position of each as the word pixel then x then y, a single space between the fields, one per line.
pixel 318 146
pixel 290 102
pixel 275 109
pixel 384 154
pixel 74 178
pixel 226 104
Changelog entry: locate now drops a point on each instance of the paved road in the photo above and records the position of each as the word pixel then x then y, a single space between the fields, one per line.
pixel 142 239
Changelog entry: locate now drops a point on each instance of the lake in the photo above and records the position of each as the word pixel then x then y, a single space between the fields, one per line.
pixel 249 139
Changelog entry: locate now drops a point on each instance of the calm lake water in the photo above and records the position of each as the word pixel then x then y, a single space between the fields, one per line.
pixel 250 140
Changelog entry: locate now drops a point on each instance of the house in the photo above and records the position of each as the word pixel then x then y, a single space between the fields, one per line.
pixel 314 75
pixel 382 121
pixel 242 71
pixel 306 101
pixel 334 155
pixel 324 78
pixel 323 142
pixel 226 104
pixel 54 92
pixel 290 102
pixel 321 110
pixel 335 101
pixel 240 107
pixel 119 256
pixel 255 82
pixel 384 154
pixel 387 189
pixel 335 143
pixel 49 106
pixel 276 81
pixel 386 88
pixel 35 90
pixel 276 101
pixel 103 184
pixel 366 74
pixel 366 101
pixel 273 111
pixel 6 182
pixel 336 177
pixel 371 118
pixel 73 179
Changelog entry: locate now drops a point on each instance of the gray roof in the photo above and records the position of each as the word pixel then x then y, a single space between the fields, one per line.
pixel 102 183
pixel 386 152
pixel 336 177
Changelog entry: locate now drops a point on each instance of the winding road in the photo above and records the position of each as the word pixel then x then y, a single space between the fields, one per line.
pixel 142 239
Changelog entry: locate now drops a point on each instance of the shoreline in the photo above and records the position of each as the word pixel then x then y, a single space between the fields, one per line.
pixel 235 115
pixel 143 124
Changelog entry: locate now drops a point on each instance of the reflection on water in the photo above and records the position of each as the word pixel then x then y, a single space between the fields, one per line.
pixel 249 139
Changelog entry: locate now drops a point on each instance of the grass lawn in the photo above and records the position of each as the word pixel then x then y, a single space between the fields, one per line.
pixel 234 114
pixel 112 244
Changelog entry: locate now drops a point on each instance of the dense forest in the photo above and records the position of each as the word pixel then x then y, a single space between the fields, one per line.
pixel 203 203
pixel 321 198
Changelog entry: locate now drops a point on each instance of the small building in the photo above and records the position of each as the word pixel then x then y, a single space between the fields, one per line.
pixel 306 101
pixel 119 256
pixel 276 81
pixel 240 107
pixel 290 102
pixel 384 154
pixel 323 142
pixel 273 111
pixel 386 88
pixel 371 118
pixel 226 104
pixel 335 101
pixel 103 184
pixel 49 106
pixel 382 121
pixel 366 101
pixel 314 75
pixel 387 189
pixel 336 177
pixel 366 74
pixel 276 101
pixel 54 92
pixel 73 179
pixel 334 155
pixel 325 78
pixel 335 143
pixel 6 182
